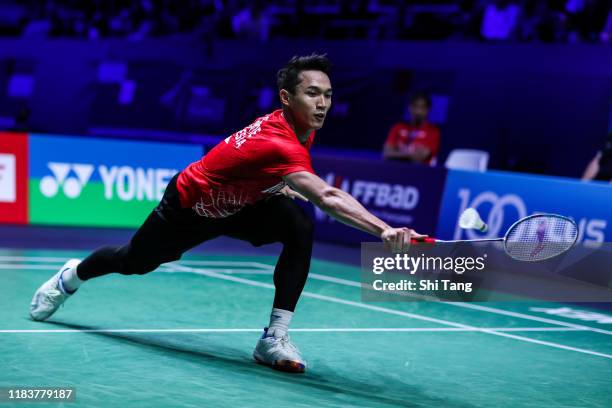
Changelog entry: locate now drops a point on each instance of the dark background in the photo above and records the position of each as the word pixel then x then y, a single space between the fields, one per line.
pixel 538 101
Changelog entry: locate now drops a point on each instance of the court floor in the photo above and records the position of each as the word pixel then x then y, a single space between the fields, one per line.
pixel 183 336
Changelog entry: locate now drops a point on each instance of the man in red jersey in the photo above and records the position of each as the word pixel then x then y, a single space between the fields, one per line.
pixel 242 189
pixel 417 141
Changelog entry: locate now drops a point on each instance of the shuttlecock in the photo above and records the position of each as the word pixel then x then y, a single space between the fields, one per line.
pixel 471 220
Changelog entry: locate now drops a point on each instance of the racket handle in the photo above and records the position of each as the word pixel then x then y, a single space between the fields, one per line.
pixel 426 240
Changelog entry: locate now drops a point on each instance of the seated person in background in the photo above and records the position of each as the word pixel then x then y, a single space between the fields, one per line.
pixel 417 141
pixel 600 168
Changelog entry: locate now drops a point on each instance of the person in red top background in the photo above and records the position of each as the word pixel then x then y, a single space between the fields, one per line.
pixel 417 141
pixel 243 188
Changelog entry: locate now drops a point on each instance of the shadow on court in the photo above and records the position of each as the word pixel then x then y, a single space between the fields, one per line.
pixel 237 360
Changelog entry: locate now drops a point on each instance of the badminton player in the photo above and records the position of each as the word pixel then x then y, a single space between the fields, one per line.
pixel 243 188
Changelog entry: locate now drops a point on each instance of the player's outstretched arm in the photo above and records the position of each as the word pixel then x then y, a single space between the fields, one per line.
pixel 343 207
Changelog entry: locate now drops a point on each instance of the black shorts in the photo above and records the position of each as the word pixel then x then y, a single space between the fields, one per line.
pixel 170 229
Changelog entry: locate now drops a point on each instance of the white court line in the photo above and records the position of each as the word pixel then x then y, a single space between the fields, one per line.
pixel 358 284
pixel 168 268
pixel 42 259
pixel 180 268
pixel 530 317
pixel 230 263
pixel 163 268
pixel 25 266
pixel 464 305
pixel 488 309
pixel 309 330
pixel 243 272
pixel 392 311
pixel 33 259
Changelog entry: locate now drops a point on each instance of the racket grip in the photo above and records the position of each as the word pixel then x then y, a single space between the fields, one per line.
pixel 426 240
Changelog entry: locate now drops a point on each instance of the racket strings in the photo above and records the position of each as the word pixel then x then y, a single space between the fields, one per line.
pixel 540 237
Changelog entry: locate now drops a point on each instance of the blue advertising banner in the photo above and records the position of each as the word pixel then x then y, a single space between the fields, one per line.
pixel 401 194
pixel 502 198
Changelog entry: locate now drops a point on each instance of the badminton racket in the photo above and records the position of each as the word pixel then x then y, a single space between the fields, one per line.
pixel 533 238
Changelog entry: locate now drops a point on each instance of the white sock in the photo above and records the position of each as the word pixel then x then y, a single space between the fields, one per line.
pixel 279 322
pixel 70 281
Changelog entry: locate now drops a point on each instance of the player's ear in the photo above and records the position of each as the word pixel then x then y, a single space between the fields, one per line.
pixel 284 97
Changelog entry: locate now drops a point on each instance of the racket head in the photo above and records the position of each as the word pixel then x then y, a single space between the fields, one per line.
pixel 540 236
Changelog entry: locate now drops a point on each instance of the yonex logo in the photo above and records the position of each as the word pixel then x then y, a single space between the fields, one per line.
pixel 70 177
pixel 123 182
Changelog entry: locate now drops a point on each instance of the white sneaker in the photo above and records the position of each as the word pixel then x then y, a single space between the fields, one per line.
pixel 279 353
pixel 50 296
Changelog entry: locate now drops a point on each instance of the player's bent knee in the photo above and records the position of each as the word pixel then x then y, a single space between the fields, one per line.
pixel 304 225
pixel 296 218
pixel 300 227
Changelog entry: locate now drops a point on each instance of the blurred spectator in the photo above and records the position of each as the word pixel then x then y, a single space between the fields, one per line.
pixel 500 20
pixel 600 167
pixel 418 140
pixel 574 10
pixel 606 32
pixel 533 20
pixel 531 16
pixel 252 22
pixel 554 22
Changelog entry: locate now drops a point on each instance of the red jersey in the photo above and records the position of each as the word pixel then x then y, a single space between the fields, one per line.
pixel 244 168
pixel 403 135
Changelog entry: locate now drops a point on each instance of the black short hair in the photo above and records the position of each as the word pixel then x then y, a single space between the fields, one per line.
pixel 287 77
pixel 421 96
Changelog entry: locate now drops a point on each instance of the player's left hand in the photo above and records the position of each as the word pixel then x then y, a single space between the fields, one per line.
pixel 288 192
